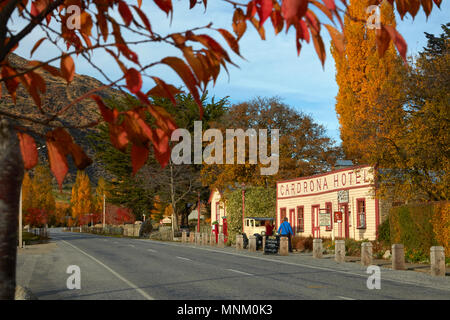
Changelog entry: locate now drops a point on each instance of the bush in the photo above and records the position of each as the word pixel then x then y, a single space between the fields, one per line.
pixel 352 247
pixel 384 233
pixel 416 255
pixel 421 226
pixel 259 202
pixel 146 229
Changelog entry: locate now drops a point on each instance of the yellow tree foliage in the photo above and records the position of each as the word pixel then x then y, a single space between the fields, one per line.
pixel 100 191
pixel 42 190
pixel 369 101
pixel 81 201
pixel 27 192
pixel 441 225
pixel 156 213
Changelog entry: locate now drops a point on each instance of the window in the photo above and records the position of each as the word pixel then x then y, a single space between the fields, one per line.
pixel 361 213
pixel 329 208
pixel 282 214
pixel 300 219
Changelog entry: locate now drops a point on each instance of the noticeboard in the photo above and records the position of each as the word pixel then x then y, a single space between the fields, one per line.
pixel 337 216
pixel 343 196
pixel 325 219
pixel 272 245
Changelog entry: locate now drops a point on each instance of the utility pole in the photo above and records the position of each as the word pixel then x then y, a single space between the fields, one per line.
pixel 243 205
pixel 104 211
pixel 20 220
pixel 198 210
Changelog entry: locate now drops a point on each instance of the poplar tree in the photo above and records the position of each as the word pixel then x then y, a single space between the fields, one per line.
pixel 42 190
pixel 27 192
pixel 370 97
pixel 81 200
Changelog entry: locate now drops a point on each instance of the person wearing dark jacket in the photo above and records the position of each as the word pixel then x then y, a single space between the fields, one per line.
pixel 285 230
pixel 269 228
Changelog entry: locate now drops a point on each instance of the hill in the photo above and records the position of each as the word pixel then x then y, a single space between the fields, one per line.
pixel 58 95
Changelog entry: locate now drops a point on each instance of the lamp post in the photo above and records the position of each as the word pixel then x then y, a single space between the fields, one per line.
pixel 104 211
pixel 198 211
pixel 243 205
pixel 20 220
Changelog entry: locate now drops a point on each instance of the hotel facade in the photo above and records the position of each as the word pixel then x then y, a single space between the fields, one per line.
pixel 337 204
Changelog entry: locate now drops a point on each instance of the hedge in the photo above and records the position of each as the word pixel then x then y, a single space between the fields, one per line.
pixel 259 202
pixel 421 226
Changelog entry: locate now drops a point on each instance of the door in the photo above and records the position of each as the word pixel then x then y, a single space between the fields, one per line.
pixel 218 212
pixel 292 219
pixel 282 215
pixel 343 207
pixel 315 221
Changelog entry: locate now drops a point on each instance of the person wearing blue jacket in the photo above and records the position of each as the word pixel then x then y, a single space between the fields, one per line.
pixel 285 230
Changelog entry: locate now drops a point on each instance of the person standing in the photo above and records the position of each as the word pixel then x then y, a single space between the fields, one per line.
pixel 269 228
pixel 285 230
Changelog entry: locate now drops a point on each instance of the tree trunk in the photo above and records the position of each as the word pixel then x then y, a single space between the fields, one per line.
pixel 172 196
pixel 11 176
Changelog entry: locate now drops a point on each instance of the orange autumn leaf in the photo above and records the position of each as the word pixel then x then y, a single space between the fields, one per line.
pixel 28 150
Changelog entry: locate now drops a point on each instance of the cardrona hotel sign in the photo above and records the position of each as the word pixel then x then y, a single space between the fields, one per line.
pixel 334 181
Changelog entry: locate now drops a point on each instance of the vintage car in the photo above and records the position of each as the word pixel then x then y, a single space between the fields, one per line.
pixel 257 225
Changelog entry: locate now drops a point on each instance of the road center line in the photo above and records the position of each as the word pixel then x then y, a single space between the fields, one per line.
pixel 237 271
pixel 184 258
pixel 296 264
pixel 142 292
pixel 151 250
pixel 345 298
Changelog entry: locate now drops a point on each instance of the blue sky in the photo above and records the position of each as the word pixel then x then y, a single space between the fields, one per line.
pixel 271 68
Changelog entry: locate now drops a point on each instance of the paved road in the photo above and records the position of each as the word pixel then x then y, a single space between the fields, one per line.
pixel 123 268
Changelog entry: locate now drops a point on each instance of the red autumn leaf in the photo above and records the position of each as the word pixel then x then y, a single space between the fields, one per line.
pixel 144 19
pixel 79 156
pixel 293 11
pixel 134 80
pixel 164 5
pixel 427 6
pixel 60 144
pixel 106 113
pixel 37 45
pixel 382 40
pixel 164 90
pixel 264 8
pixel 67 68
pixel 251 9
pixel 438 3
pixel 58 162
pixel 52 70
pixel 118 136
pixel 330 4
pixel 185 73
pixel 28 150
pixel 239 23
pixel 125 12
pixel 232 42
pixel 12 83
pixel 399 42
pixel 138 131
pixel 162 149
pixel 337 38
pixel 277 21
pixel 319 46
pixel 139 156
